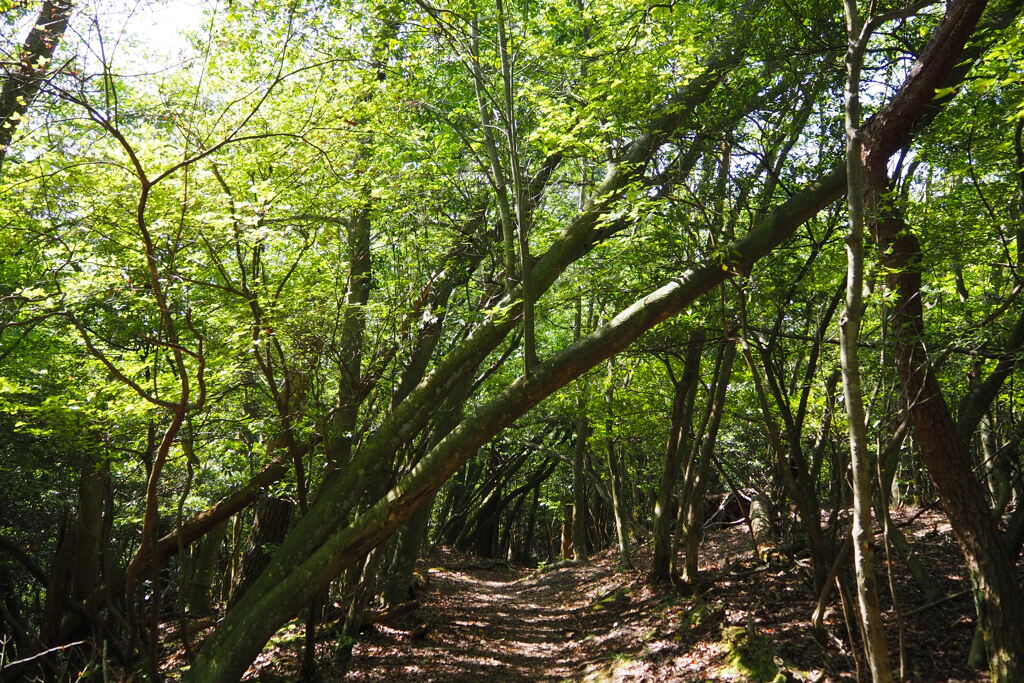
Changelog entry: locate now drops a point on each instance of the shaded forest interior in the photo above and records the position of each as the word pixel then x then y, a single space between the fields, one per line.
pixel 552 340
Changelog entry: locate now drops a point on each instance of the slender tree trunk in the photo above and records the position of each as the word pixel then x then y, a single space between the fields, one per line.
pixel 689 478
pixel 526 548
pixel 950 469
pixel 678 444
pixel 997 469
pixel 203 569
pixel 876 648
pixel 695 505
pixel 497 175
pixel 791 470
pixel 350 388
pixel 579 458
pixel 567 540
pixel 519 191
pixel 579 486
pixel 233 569
pixel 619 506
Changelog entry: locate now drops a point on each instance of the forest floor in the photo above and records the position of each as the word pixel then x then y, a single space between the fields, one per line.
pixel 748 620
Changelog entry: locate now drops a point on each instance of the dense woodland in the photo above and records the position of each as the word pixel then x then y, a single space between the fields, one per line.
pixel 344 281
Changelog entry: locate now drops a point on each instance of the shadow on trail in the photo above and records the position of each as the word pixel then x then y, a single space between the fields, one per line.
pixel 488 625
pixel 594 623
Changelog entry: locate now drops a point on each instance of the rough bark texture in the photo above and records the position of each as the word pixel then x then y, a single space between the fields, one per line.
pixel 949 463
pixel 678 443
pixel 943 452
pixel 270 524
pixel 23 83
pixel 695 505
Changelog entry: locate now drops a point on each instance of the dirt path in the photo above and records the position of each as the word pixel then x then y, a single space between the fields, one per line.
pixel 595 623
pixel 496 625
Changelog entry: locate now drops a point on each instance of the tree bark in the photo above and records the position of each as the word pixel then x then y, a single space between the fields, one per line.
pixel 945 455
pixel 947 458
pixel 566 537
pixel 678 444
pixel 22 85
pixel 876 648
pixel 269 527
pixel 695 504
pixel 617 476
pixel 580 549
pixel 203 569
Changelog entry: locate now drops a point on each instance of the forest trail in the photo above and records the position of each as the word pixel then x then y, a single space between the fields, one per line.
pixel 595 622
pixel 500 624
pixel 591 622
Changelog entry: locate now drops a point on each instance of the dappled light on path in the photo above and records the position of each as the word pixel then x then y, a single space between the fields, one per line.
pixel 597 623
pixel 504 625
